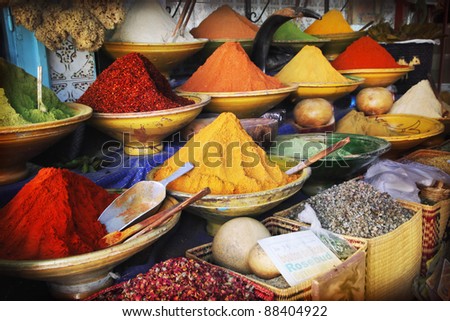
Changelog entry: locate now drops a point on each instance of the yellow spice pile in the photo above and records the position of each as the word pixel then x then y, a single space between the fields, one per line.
pixel 226 160
pixel 309 65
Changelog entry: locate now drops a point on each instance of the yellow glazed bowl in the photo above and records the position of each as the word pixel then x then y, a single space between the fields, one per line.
pixel 338 42
pixel 19 144
pixel 412 129
pixel 78 276
pixel 249 104
pixel 378 77
pixel 218 209
pixel 328 91
pixel 142 132
pixel 165 56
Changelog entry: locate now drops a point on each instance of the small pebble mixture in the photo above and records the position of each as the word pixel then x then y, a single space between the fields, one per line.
pixel 182 279
pixel 358 209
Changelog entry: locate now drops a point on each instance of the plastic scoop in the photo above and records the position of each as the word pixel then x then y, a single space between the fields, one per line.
pixel 138 202
pixel 319 155
pixel 149 223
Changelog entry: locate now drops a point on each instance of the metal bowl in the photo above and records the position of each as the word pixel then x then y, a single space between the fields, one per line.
pixel 247 104
pixel 165 56
pixel 142 132
pixel 78 276
pixel 19 144
pixel 364 151
pixel 218 209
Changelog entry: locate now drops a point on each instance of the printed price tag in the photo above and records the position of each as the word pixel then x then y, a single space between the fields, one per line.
pixel 299 256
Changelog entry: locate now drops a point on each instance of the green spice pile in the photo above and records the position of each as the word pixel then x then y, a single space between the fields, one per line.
pixel 182 279
pixel 440 162
pixel 131 84
pixel 8 116
pixel 290 31
pixel 21 91
pixel 356 208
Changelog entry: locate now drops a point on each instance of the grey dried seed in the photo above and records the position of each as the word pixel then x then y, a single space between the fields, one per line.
pixel 356 208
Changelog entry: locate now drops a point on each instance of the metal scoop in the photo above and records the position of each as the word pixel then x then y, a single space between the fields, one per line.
pixel 138 202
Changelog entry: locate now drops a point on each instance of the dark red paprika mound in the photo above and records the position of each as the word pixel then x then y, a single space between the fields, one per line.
pixel 131 84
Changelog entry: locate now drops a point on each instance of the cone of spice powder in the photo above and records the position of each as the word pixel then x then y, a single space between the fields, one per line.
pixel 229 69
pixel 332 22
pixel 225 23
pixel 365 53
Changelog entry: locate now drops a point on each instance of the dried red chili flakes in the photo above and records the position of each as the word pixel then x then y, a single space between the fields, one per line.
pixel 182 279
pixel 131 84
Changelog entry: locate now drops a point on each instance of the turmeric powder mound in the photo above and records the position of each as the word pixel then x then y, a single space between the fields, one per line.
pixel 332 22
pixel 229 69
pixel 225 23
pixel 309 65
pixel 226 160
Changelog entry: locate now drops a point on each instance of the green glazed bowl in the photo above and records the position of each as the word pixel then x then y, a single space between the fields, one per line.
pixel 331 170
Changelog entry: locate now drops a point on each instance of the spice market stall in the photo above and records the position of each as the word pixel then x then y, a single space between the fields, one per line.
pixel 375 203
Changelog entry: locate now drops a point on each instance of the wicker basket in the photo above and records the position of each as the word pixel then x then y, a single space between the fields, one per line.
pixel 344 277
pixel 438 192
pixel 392 260
pixel 434 222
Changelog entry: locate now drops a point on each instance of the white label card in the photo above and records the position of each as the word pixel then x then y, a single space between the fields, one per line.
pixel 299 256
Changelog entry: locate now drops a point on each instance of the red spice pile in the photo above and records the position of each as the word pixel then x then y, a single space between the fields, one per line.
pixel 182 279
pixel 364 53
pixel 131 84
pixel 53 216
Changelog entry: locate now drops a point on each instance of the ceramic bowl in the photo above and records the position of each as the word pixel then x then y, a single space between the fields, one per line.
pixel 19 144
pixel 78 276
pixel 218 209
pixel 248 104
pixel 328 91
pixel 364 151
pixel 338 42
pixel 142 132
pixel 165 56
pixel 411 130
pixel 378 77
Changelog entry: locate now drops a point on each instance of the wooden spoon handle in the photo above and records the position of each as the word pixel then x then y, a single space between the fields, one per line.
pixel 318 156
pixel 151 222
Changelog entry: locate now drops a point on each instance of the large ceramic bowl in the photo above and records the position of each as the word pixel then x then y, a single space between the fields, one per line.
pixel 364 150
pixel 165 56
pixel 410 130
pixel 248 104
pixel 218 209
pixel 328 91
pixel 19 144
pixel 77 277
pixel 339 42
pixel 142 132
pixel 378 77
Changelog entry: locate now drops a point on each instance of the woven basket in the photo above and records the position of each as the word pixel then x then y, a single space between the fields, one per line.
pixel 392 260
pixel 344 277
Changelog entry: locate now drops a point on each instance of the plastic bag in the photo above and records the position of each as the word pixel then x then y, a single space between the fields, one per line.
pixel 400 180
pixel 338 245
